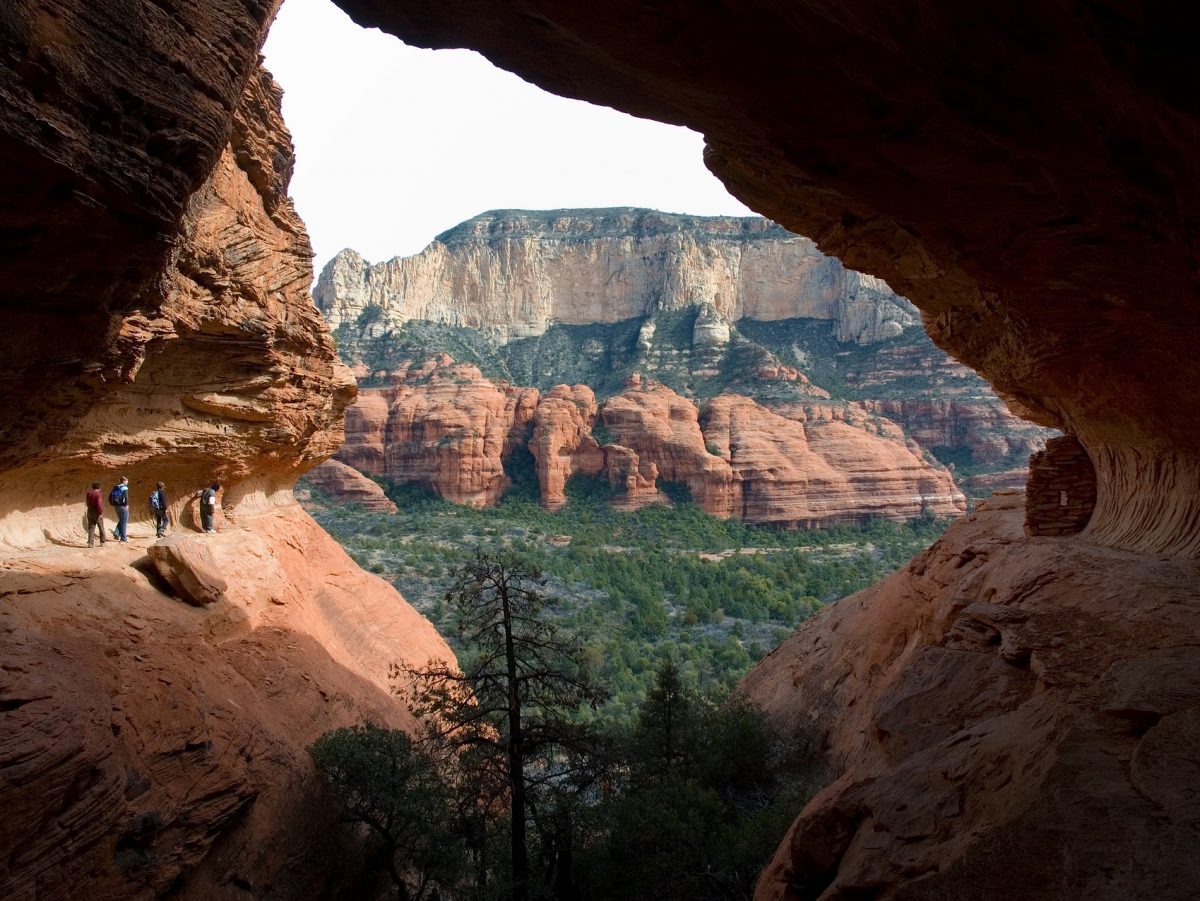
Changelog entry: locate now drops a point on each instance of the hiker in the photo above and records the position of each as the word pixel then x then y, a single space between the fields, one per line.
pixel 158 506
pixel 119 498
pixel 208 506
pixel 95 513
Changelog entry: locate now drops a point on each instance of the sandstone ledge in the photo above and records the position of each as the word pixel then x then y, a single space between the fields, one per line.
pixel 166 731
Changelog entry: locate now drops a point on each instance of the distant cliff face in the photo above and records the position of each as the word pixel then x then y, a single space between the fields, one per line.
pixel 446 426
pixel 704 306
pixel 514 272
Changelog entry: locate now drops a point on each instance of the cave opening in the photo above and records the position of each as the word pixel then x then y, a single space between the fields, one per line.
pixel 1021 172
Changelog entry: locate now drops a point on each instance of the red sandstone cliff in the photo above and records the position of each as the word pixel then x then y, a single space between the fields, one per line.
pixel 1025 214
pixel 991 433
pixel 441 425
pixel 562 444
pixel 350 485
pixel 150 746
pixel 810 469
pixel 450 429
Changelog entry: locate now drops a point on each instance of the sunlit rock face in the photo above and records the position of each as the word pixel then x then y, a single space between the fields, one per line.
pixel 157 707
pixel 1026 173
pixel 1026 215
pixel 113 115
pixel 445 426
pixel 513 272
pixel 350 486
pixel 231 376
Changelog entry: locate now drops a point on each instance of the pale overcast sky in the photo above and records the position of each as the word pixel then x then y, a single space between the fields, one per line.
pixel 394 145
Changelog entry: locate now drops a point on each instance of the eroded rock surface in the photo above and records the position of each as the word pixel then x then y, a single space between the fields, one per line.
pixel 450 429
pixel 441 425
pixel 155 728
pixel 230 377
pixel 1024 219
pixel 1024 213
pixel 562 444
pixel 113 113
pixel 151 747
pixel 958 702
pixel 349 485
pixel 817 466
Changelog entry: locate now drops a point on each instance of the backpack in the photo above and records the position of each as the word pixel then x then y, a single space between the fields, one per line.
pixel 116 496
pixel 154 504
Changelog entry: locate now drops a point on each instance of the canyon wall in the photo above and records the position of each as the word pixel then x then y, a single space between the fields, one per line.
pixel 445 426
pixel 1005 215
pixel 513 272
pixel 152 747
pixel 704 305
pixel 1037 692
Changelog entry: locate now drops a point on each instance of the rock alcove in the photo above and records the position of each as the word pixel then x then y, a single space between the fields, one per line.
pixel 1027 173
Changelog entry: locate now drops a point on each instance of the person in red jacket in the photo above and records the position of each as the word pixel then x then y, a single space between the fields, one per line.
pixel 95 513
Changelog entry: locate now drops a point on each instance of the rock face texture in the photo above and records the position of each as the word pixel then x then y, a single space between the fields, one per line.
pixel 231 376
pixel 441 425
pixel 703 305
pixel 154 748
pixel 348 484
pixel 157 703
pixel 448 428
pixel 958 699
pixel 512 272
pixel 109 129
pixel 662 428
pixel 990 432
pixel 814 467
pixel 562 444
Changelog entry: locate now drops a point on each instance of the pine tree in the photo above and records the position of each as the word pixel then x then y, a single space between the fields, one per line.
pixel 511 713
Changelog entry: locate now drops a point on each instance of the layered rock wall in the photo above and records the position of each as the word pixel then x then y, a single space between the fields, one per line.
pixel 231 376
pixel 445 426
pixel 113 114
pixel 513 272
pixel 961 697
pixel 1039 739
pixel 157 711
pixel 1011 714
pixel 562 444
pixel 984 428
pixel 350 485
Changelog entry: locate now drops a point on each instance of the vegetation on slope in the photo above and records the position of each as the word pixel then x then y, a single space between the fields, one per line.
pixel 641 587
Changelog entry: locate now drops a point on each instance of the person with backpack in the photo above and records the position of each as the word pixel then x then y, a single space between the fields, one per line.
pixel 208 506
pixel 119 498
pixel 94 500
pixel 158 506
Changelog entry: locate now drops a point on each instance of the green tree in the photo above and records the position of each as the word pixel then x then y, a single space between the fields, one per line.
pixel 702 804
pixel 663 735
pixel 513 709
pixel 387 784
